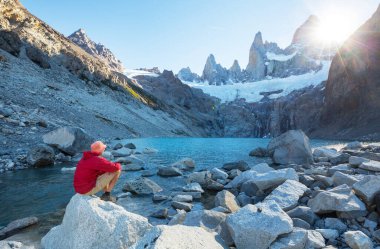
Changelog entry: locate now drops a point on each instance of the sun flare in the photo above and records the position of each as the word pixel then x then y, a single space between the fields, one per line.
pixel 333 27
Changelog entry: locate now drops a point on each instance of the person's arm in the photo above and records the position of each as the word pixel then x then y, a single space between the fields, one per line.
pixel 107 166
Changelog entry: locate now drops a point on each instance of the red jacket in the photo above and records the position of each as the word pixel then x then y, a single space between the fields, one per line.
pixel 89 168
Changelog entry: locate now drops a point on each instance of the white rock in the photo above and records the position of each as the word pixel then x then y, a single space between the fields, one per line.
pixel 193 187
pixel 287 194
pixel 315 239
pixel 325 152
pixel 262 168
pixel 123 152
pixel 340 199
pixel 370 165
pixel 227 200
pixel 340 178
pixel 178 236
pixel 294 240
pixel 257 226
pixel 367 188
pixel 218 174
pixel 356 161
pixel 185 164
pixel 92 223
pixel 357 240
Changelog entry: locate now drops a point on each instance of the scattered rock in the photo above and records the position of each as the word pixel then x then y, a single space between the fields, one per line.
pixel 240 165
pixel 111 226
pixel 132 167
pixel 329 234
pixel 148 172
pixel 340 178
pixel 336 224
pixel 304 213
pixel 182 205
pixel 130 146
pixel 40 155
pixel 291 147
pixel 193 187
pixel 117 146
pixel 195 195
pixel 183 198
pixel 357 240
pixel 218 174
pixel 142 186
pixel 340 199
pixel 149 151
pixel 367 188
pixel 160 214
pixel 16 226
pixel 159 197
pixel 300 223
pixel 356 161
pixel 315 239
pixel 178 236
pixel 287 194
pixel 325 152
pixel 257 226
pixel 185 164
pixel 295 240
pixel 227 200
pixel 169 171
pixel 202 178
pixel 354 145
pixel 340 159
pixel 249 188
pixel 243 199
pixel 122 152
pixel 259 152
pixel 70 140
pixel 370 165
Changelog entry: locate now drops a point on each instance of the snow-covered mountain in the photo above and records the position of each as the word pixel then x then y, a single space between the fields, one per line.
pixel 80 38
pixel 304 56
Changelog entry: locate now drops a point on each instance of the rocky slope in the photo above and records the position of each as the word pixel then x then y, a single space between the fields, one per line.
pixel 353 88
pixel 80 38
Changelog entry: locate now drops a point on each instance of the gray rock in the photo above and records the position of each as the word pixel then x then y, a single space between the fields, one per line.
pixel 195 195
pixel 249 188
pixel 185 164
pixel 367 188
pixel 304 213
pixel 40 155
pixel 291 147
pixel 340 178
pixel 211 221
pixel 340 199
pixel 148 172
pixel 70 140
pixel 193 187
pixel 259 152
pixel 357 240
pixel 336 224
pixel 149 151
pixel 132 159
pixel 6 112
pixel 221 209
pixel 340 159
pixel 202 178
pixel 240 165
pixel 356 161
pixel 257 226
pixel 218 174
pixel 325 152
pixel 160 214
pixel 227 200
pixel 132 167
pixel 354 145
pixel 130 146
pixel 295 240
pixel 214 185
pixel 16 226
pixel 178 236
pixel 315 239
pixel 243 199
pixel 142 186
pixel 233 173
pixel 300 223
pixel 159 197
pixel 287 194
pixel 183 198
pixel 370 165
pixel 329 234
pixel 117 146
pixel 182 205
pixel 343 168
pixel 169 171
pixel 111 226
pixel 122 152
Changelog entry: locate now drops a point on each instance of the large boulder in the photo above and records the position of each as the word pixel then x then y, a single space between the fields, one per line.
pixel 257 226
pixel 291 147
pixel 338 199
pixel 70 140
pixel 16 226
pixel 367 188
pixel 227 200
pixel 178 236
pixel 92 223
pixel 142 186
pixel 287 194
pixel 40 155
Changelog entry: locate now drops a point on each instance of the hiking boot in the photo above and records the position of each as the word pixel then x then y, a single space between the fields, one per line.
pixel 108 197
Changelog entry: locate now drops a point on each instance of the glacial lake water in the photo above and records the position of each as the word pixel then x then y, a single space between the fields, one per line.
pixel 45 192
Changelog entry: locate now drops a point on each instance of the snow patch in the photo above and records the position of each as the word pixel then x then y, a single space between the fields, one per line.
pixel 251 90
pixel 131 73
pixel 279 57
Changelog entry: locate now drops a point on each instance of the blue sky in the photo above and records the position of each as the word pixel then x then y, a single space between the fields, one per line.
pixel 172 34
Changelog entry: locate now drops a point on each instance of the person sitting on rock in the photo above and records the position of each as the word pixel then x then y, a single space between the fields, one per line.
pixel 95 173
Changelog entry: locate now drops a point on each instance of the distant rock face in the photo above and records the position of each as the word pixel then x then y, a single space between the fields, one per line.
pixel 256 62
pixel 185 74
pixel 214 73
pixel 235 72
pixel 80 38
pixel 353 87
pixel 305 33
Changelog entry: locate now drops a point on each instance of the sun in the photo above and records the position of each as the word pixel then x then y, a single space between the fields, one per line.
pixel 333 28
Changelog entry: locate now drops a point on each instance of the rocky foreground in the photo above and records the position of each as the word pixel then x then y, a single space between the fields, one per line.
pixel 305 199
